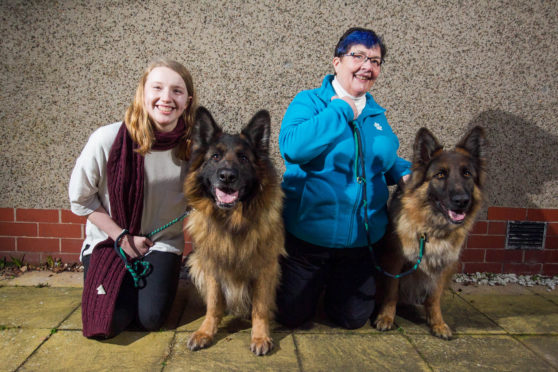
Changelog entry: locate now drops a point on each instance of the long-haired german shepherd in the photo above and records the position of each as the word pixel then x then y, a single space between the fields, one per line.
pixel 439 202
pixel 235 226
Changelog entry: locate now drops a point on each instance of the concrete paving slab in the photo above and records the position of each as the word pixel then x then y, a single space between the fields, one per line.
pixel 357 352
pixel 551 295
pixel 510 289
pixel 70 351
pixel 73 322
pixel 231 352
pixel 478 353
pixel 32 307
pixel 518 314
pixel 461 316
pixel 17 344
pixel 33 278
pixel 544 346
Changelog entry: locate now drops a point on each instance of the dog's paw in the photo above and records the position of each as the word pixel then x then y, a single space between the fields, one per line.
pixel 261 345
pixel 441 330
pixel 383 323
pixel 199 340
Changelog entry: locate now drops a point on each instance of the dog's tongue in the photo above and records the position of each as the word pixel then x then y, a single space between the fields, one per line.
pixel 456 216
pixel 223 197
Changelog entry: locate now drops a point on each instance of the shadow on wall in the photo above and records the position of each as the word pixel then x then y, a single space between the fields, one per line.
pixel 522 158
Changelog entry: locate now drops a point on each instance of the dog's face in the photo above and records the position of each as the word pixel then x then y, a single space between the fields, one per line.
pixel 452 176
pixel 228 163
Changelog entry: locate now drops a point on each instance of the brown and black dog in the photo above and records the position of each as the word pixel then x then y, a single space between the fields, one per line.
pixel 236 226
pixel 439 202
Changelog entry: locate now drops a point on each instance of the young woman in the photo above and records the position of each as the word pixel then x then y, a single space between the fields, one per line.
pixel 128 182
pixel 336 187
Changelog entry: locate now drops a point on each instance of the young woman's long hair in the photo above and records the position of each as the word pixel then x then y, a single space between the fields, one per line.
pixel 137 120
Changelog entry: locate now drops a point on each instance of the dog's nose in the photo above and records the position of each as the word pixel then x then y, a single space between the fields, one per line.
pixel 228 175
pixel 460 200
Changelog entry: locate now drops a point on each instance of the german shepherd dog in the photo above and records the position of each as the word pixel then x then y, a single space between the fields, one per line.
pixel 439 202
pixel 235 225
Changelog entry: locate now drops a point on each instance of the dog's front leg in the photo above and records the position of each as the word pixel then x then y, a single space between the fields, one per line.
pixel 392 263
pixel 215 302
pixel 263 301
pixel 438 326
pixel 386 315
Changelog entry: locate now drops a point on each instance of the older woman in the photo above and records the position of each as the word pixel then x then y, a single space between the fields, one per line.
pixel 340 155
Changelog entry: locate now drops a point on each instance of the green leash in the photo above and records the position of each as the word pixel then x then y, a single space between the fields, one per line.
pixel 139 268
pixel 359 158
pixel 422 240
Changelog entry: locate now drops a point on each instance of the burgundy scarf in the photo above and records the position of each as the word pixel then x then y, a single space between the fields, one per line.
pixel 125 178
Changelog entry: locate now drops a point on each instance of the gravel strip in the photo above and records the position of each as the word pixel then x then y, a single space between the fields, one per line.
pixel 502 279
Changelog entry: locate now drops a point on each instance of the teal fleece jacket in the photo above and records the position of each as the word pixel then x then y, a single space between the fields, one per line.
pixel 323 200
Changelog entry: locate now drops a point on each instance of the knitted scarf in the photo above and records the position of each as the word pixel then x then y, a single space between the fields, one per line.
pixel 125 178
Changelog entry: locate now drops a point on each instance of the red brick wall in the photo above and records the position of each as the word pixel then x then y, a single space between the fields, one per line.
pixel 39 233
pixel 485 248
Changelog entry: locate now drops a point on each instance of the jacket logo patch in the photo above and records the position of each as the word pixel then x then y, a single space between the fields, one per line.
pixel 378 126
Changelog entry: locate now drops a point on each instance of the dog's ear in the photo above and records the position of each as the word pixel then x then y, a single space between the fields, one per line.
pixel 425 146
pixel 474 142
pixel 205 128
pixel 258 131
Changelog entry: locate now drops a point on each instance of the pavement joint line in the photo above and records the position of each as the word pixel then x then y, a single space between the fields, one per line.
pixel 483 314
pixel 54 330
pixel 545 297
pixel 539 356
pixel 170 351
pixel 414 346
pixel 34 351
pixel 297 353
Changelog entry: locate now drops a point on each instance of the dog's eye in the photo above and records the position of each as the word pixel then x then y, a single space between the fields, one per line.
pixel 441 175
pixel 242 157
pixel 467 173
pixel 216 157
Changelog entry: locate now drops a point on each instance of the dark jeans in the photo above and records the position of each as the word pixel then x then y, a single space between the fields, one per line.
pixel 345 274
pixel 148 306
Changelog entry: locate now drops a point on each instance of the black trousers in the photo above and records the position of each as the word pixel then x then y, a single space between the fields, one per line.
pixel 150 305
pixel 346 275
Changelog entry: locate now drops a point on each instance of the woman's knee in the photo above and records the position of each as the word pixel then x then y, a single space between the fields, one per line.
pixel 152 320
pixel 349 322
pixel 350 315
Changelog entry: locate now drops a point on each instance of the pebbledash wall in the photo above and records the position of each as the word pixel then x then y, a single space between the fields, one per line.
pixel 36 234
pixel 68 67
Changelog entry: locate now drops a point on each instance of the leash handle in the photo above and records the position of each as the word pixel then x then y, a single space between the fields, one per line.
pixel 137 268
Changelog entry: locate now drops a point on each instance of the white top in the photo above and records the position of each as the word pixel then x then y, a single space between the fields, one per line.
pixel 163 199
pixel 360 102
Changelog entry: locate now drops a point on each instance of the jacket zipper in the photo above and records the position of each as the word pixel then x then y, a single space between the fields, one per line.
pixel 359 189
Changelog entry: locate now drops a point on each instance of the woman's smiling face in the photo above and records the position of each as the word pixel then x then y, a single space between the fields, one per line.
pixel 357 77
pixel 165 98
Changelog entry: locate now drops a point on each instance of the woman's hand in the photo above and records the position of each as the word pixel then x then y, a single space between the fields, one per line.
pixel 135 246
pixel 350 102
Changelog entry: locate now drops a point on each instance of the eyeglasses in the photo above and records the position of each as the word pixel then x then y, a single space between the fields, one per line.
pixel 360 59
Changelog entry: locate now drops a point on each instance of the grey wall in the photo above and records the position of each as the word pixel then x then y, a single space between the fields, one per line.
pixel 68 67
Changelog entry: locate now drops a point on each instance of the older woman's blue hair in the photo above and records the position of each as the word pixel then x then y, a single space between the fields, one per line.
pixel 358 35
